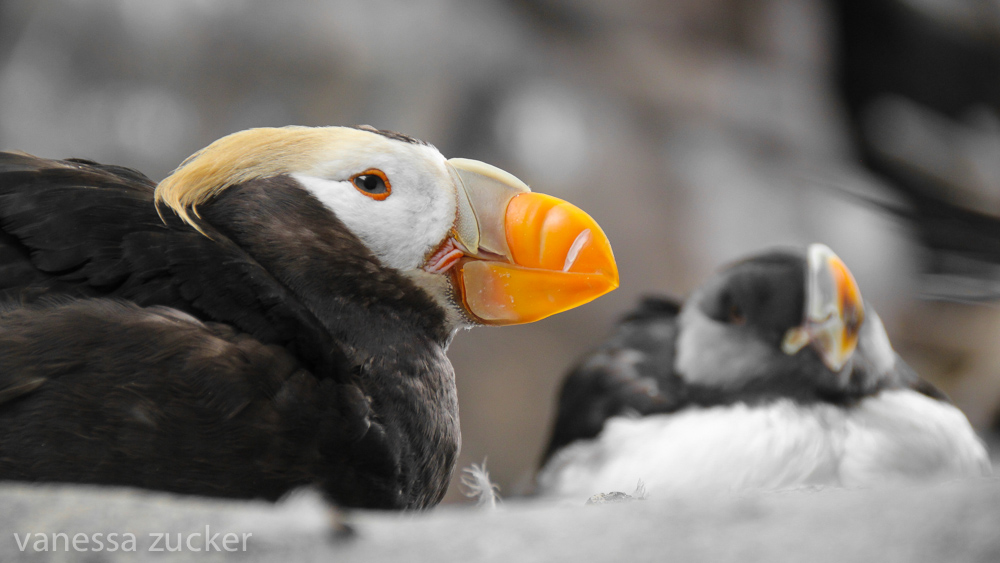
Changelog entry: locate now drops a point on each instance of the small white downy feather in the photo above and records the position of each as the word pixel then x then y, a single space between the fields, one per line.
pixel 476 480
pixel 895 435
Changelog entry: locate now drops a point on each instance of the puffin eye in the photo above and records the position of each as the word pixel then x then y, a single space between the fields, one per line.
pixel 736 315
pixel 372 183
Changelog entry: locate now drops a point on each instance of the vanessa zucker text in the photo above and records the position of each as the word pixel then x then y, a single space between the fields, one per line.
pixel 128 541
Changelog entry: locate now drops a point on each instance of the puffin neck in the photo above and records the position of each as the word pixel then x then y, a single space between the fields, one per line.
pixel 806 384
pixel 293 236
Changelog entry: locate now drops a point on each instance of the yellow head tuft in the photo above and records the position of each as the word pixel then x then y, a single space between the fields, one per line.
pixel 243 156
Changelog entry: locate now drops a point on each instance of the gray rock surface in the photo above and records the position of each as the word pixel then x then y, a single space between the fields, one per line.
pixel 943 523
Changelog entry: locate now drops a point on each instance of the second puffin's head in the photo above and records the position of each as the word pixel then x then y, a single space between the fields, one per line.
pixel 472 235
pixel 784 316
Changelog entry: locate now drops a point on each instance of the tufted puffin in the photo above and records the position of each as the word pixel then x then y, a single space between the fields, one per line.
pixel 775 374
pixel 273 314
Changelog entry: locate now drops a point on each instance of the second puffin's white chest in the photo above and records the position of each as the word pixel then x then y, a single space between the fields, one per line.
pixel 891 436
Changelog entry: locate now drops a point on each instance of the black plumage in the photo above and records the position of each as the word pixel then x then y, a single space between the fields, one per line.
pixel 632 371
pixel 137 351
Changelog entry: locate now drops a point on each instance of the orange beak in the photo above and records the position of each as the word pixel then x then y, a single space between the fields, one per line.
pixel 528 255
pixel 834 310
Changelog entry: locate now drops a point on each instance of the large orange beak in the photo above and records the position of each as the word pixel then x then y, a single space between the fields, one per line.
pixel 834 310
pixel 528 255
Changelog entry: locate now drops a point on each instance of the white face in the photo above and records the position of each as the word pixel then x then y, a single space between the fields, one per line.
pixel 405 227
pixel 713 353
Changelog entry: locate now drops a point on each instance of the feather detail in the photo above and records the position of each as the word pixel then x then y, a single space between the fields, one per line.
pixel 476 480
pixel 640 491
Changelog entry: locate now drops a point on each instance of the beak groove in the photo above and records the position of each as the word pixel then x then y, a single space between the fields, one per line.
pixel 574 250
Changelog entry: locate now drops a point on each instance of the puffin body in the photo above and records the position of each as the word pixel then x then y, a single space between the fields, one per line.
pixel 772 375
pixel 273 314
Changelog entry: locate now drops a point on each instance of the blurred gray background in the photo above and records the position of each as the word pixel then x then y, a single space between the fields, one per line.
pixel 694 131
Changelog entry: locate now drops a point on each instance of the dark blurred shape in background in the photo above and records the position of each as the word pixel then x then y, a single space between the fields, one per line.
pixel 920 82
pixel 694 131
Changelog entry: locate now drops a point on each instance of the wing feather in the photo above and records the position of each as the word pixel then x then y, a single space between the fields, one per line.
pixel 632 372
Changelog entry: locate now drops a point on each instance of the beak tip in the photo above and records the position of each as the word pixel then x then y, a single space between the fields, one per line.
pixel 612 283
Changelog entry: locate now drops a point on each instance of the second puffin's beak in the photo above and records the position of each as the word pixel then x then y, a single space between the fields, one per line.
pixel 834 310
pixel 529 255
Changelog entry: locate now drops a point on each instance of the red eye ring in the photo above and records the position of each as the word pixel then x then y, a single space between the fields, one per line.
pixel 373 183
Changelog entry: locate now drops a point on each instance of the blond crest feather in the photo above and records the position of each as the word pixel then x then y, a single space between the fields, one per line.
pixel 243 156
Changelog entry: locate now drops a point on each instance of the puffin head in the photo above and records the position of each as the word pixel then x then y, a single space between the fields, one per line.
pixel 478 240
pixel 785 317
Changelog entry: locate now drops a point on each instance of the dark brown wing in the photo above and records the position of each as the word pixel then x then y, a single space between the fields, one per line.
pixel 82 229
pixel 104 391
pixel 105 379
pixel 631 372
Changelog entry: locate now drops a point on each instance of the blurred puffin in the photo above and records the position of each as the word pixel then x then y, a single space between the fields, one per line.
pixel 275 313
pixel 772 375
